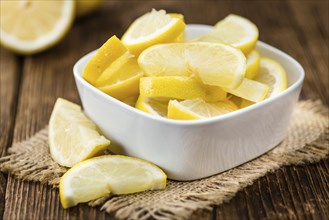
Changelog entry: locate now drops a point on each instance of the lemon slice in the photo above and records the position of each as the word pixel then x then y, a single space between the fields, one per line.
pixel 130 100
pixel 72 136
pixel 273 75
pixel 121 78
pixel 152 28
pixel 245 103
pixel 180 38
pixel 111 50
pixel 179 87
pixel 251 90
pixel 100 176
pixel 236 31
pixel 215 64
pixel 253 65
pixel 28 27
pixel 198 109
pixel 153 106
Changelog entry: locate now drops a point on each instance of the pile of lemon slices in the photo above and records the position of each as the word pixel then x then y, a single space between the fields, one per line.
pixel 154 69
pixel 170 77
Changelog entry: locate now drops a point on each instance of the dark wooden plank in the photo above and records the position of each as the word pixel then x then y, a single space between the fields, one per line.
pixel 9 84
pixel 312 33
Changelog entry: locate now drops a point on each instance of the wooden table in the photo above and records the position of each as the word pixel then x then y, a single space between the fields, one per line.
pixel 30 85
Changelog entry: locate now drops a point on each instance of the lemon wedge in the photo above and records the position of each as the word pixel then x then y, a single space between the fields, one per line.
pixel 273 75
pixel 121 78
pixel 72 136
pixel 179 87
pixel 236 31
pixel 198 109
pixel 153 106
pixel 130 100
pixel 213 63
pixel 28 27
pixel 253 65
pixel 180 38
pixel 110 174
pixel 111 50
pixel 152 28
pixel 245 103
pixel 251 90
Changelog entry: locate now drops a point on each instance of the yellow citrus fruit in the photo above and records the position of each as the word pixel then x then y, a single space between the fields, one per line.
pixel 153 106
pixel 28 27
pixel 152 28
pixel 109 174
pixel 180 38
pixel 179 87
pixel 130 100
pixel 251 90
pixel 273 75
pixel 198 109
pixel 245 103
pixel 72 136
pixel 236 31
pixel 213 63
pixel 111 50
pixel 121 79
pixel 253 65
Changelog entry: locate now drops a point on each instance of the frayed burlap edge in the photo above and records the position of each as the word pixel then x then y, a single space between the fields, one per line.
pixel 307 141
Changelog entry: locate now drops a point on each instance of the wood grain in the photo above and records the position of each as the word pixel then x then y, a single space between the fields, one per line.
pixel 9 84
pixel 30 85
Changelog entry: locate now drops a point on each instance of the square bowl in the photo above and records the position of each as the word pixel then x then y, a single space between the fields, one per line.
pixel 188 150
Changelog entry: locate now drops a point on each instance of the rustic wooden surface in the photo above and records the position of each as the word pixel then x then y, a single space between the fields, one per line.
pixel 30 85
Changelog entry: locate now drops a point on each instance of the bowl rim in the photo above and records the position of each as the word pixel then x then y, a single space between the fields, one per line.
pixel 78 76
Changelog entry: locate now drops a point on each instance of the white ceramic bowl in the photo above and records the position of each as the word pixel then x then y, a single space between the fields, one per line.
pixel 188 150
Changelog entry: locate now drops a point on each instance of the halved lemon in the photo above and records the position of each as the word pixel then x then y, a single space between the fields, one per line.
pixel 236 31
pixel 111 50
pixel 251 90
pixel 253 64
pixel 273 75
pixel 28 27
pixel 198 109
pixel 121 78
pixel 153 106
pixel 110 174
pixel 72 136
pixel 213 63
pixel 179 87
pixel 152 28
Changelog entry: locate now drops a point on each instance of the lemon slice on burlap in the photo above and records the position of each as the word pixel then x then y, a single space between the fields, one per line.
pixel 198 109
pixel 28 27
pixel 72 136
pixel 213 63
pixel 236 31
pixel 100 176
pixel 152 28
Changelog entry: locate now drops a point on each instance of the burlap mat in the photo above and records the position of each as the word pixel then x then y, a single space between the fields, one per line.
pixel 307 141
